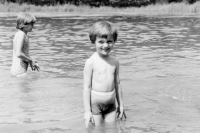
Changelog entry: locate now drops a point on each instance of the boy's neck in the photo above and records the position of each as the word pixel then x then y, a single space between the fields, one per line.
pixel 103 57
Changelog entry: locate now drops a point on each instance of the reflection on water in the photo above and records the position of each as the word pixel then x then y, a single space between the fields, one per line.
pixel 159 58
pixel 112 127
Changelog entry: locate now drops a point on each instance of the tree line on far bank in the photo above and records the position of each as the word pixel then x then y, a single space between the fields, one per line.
pixel 98 3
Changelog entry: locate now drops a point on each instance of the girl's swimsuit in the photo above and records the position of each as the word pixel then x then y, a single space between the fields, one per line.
pixel 20 66
pixel 102 103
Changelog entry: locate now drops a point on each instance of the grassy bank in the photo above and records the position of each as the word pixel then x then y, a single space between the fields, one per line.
pixel 165 9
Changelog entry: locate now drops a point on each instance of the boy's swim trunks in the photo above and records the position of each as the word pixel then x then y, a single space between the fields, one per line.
pixel 102 103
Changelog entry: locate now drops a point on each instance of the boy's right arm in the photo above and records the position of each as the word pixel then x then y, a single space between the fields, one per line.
pixel 87 90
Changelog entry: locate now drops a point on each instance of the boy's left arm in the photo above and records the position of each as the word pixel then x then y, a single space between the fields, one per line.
pixel 119 95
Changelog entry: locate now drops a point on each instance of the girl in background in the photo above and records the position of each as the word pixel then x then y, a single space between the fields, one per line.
pixel 21 58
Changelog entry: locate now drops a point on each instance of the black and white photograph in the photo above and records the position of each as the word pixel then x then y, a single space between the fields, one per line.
pixel 99 66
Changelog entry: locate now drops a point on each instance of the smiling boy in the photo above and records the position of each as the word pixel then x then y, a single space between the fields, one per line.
pixel 101 77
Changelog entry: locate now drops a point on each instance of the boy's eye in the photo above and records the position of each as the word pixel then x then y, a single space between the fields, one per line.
pixel 101 42
pixel 109 41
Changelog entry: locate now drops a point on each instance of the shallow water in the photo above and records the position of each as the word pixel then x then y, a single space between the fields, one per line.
pixel 159 58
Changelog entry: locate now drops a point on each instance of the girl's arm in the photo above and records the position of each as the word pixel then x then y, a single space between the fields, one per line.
pixel 19 45
pixel 20 54
pixel 119 95
pixel 87 91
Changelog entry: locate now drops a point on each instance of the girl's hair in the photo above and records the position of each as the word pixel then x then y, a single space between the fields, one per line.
pixel 102 29
pixel 23 19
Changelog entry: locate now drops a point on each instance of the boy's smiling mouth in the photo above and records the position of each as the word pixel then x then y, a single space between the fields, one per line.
pixel 106 49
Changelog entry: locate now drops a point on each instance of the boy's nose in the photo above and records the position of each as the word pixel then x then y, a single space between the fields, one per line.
pixel 105 45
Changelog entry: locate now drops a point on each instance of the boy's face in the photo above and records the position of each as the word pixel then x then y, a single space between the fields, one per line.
pixel 104 45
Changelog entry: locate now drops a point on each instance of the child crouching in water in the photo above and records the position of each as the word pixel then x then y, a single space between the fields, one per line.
pixel 21 58
pixel 101 78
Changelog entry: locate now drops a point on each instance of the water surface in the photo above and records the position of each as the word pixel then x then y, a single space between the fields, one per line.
pixel 159 58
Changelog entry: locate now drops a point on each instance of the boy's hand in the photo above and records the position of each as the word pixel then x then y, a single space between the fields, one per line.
pixel 120 113
pixel 34 66
pixel 88 117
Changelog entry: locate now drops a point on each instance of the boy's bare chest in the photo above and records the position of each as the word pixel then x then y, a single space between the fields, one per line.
pixel 104 69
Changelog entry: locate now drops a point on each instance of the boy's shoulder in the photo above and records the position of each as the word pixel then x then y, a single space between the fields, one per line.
pixel 92 57
pixel 89 61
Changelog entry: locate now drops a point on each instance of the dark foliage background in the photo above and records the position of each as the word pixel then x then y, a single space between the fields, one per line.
pixel 98 3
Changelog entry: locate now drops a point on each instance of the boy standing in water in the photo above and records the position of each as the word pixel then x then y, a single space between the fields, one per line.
pixel 21 58
pixel 101 78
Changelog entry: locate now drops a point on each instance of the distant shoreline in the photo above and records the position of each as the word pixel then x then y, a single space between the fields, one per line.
pixel 164 10
pixel 67 14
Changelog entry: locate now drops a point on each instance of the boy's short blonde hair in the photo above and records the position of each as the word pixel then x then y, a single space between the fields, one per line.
pixel 103 29
pixel 23 19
